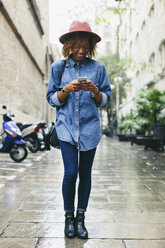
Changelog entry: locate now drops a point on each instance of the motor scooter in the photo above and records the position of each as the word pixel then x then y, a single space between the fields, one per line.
pixel 41 133
pixel 29 135
pixel 10 139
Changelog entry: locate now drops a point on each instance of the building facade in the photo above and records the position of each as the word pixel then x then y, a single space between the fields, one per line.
pixel 105 46
pixel 142 38
pixel 107 32
pixel 25 58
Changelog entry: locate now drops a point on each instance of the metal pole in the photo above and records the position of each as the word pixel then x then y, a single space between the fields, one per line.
pixel 117 61
pixel 117 98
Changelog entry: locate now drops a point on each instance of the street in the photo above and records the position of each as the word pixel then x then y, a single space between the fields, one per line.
pixel 126 207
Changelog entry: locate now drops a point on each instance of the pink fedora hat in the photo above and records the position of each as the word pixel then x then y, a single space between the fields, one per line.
pixel 77 27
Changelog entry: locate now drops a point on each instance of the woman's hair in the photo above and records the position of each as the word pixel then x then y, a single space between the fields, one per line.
pixel 74 39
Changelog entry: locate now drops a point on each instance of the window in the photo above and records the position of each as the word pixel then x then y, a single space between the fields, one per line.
pixel 143 26
pixel 144 32
pixel 151 12
pixel 151 66
pixel 130 49
pixel 107 47
pixel 137 41
pixel 162 6
pixel 106 30
pixel 160 9
pixel 36 15
pixel 137 38
pixel 162 53
pixel 151 18
pixel 130 22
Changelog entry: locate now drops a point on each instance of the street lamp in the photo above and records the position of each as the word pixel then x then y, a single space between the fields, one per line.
pixel 112 86
pixel 118 81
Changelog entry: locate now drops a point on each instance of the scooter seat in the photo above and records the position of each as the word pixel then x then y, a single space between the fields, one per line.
pixel 22 126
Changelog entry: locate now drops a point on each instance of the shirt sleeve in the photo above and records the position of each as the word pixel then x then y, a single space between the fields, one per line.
pixel 54 86
pixel 104 87
pixel 104 100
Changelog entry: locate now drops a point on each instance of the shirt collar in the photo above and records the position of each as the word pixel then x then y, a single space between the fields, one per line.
pixel 73 63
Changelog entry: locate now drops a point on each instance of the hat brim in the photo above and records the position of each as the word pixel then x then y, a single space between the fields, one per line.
pixel 66 35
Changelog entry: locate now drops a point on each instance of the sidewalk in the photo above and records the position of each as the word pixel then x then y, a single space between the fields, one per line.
pixel 126 208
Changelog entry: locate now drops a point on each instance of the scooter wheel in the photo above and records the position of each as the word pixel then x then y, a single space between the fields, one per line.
pixel 18 154
pixel 42 148
pixel 35 145
pixel 42 145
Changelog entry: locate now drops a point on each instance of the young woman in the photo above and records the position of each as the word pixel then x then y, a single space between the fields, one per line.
pixel 78 123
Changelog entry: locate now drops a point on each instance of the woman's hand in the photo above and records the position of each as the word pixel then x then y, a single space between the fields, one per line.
pixel 73 86
pixel 88 85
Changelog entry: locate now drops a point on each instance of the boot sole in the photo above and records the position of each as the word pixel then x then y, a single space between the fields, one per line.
pixel 70 237
pixel 82 237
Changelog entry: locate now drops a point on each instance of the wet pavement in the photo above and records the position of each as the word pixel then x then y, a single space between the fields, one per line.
pixel 126 207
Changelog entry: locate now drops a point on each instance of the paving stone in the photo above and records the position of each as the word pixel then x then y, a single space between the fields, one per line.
pixel 29 216
pixel 3 226
pixel 161 229
pixel 98 216
pixel 145 243
pixel 77 243
pixel 37 205
pixel 154 206
pixel 33 230
pixel 115 206
pixel 125 231
pixel 5 216
pixel 55 216
pixel 10 205
pixel 136 217
pixel 17 243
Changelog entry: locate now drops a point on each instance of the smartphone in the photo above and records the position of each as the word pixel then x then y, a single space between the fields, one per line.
pixel 80 79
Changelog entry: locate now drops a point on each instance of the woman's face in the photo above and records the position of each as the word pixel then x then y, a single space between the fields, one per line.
pixel 80 49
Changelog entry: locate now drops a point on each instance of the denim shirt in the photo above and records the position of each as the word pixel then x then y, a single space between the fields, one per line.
pixel 78 120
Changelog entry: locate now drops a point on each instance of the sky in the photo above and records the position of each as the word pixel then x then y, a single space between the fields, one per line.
pixel 63 12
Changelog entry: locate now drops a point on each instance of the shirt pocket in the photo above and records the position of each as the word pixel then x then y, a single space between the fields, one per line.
pixel 65 79
pixel 87 97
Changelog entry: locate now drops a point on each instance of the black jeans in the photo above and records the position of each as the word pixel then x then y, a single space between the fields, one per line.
pixel 76 162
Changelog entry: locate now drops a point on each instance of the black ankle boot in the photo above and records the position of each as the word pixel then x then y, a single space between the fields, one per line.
pixel 81 230
pixel 70 231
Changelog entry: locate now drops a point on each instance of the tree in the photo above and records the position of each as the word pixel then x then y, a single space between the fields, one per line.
pixel 150 109
pixel 112 66
pixel 104 13
pixel 149 106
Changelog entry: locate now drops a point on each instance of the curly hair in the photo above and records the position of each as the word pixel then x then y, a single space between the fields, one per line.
pixel 76 38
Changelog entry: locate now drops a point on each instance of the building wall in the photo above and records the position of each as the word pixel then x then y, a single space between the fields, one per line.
pixel 24 68
pixel 142 38
pixel 21 15
pixel 105 46
pixel 107 33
